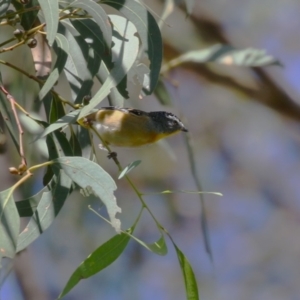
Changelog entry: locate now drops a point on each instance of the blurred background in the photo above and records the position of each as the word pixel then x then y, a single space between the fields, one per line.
pixel 245 128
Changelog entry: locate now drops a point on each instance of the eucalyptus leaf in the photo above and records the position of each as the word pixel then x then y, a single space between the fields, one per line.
pixel 149 34
pixel 190 282
pixel 89 174
pixel 9 224
pixel 51 13
pixel 129 168
pixel 47 209
pixel 225 54
pixel 82 63
pixel 125 51
pixel 61 48
pixel 98 260
pixel 69 118
pixel 4 6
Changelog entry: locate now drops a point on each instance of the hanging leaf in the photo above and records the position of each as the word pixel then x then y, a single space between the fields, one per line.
pixel 62 49
pixel 28 19
pixel 89 174
pixel 81 65
pixel 51 14
pixel 47 209
pixel 225 54
pixel 98 260
pixel 9 224
pixel 149 34
pixel 190 282
pixel 4 6
pixel 69 118
pixel 125 50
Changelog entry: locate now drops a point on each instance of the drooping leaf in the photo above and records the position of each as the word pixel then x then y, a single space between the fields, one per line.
pixel 9 120
pixel 129 168
pixel 61 48
pixel 57 110
pixel 4 6
pixel 162 93
pixel 89 174
pixel 125 50
pixel 81 65
pixel 69 118
pixel 74 143
pixel 27 206
pixel 149 34
pixel 47 209
pixel 98 260
pixel 225 54
pixel 190 282
pixel 9 224
pixel 99 16
pixel 51 14
pixel 27 19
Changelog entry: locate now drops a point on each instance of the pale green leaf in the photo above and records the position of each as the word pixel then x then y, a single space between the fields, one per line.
pixel 99 16
pixel 69 118
pixel 225 54
pixel 61 48
pixel 149 34
pixel 89 174
pixel 46 211
pixel 4 6
pixel 51 13
pixel 129 168
pixel 9 224
pixel 82 63
pixel 125 50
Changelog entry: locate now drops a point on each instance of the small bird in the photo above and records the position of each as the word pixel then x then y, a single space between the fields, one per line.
pixel 130 127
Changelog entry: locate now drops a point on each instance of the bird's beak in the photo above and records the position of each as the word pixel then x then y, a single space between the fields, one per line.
pixel 184 129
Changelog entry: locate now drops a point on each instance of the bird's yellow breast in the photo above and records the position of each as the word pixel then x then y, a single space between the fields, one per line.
pixel 122 129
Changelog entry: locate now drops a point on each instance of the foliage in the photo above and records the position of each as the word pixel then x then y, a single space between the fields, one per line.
pixel 81 41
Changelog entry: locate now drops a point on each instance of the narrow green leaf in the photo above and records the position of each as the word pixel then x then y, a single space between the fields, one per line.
pixel 9 224
pixel 61 48
pixel 74 143
pixel 69 118
pixel 27 19
pixel 48 208
pixel 57 110
pixel 81 65
pixel 27 206
pixel 51 13
pixel 162 93
pixel 99 16
pixel 125 50
pixel 190 282
pixel 225 54
pixel 149 34
pixel 98 260
pixel 4 6
pixel 9 120
pixel 94 37
pixel 89 174
pixel 129 168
